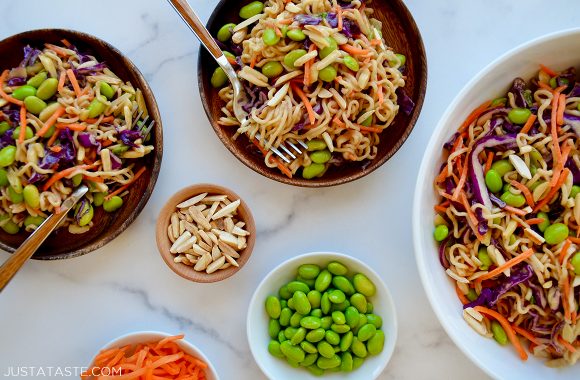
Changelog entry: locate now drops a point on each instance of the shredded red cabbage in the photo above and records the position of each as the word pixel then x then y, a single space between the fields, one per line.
pixel 404 101
pixel 87 140
pixel 303 19
pixel 116 162
pixel 518 89
pixel 129 137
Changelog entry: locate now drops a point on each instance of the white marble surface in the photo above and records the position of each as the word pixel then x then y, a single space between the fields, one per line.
pixel 60 313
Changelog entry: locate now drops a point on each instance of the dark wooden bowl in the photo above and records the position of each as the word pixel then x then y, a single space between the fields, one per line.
pixel 400 32
pixel 61 244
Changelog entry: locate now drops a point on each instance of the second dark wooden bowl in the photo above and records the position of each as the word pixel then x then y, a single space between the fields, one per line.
pixel 107 226
pixel 400 32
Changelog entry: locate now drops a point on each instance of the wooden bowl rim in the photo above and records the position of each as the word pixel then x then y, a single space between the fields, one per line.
pixel 421 81
pixel 108 235
pixel 163 242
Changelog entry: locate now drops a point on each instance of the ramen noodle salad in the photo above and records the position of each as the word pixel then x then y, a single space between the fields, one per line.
pixel 508 221
pixel 316 71
pixel 66 119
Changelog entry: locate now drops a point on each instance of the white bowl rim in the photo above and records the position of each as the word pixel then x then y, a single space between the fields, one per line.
pixel 388 299
pixel 427 156
pixel 158 334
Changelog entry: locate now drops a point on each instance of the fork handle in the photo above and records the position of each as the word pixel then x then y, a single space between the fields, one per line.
pixel 188 15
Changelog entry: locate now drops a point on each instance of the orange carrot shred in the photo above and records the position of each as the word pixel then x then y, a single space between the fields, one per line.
pixel 369 129
pixel 461 296
pixel 279 163
pixel 354 50
pixel 253 61
pixel 61 80
pixel 529 123
pixel 564 250
pixel 462 180
pixel 306 102
pixel 73 80
pixel 71 126
pixel 526 334
pixel 489 161
pixel 553 191
pixel 22 133
pixel 126 186
pixel 507 328
pixel 473 116
pixel 561 109
pixel 548 71
pixel 515 210
pixel 64 173
pixel 339 16
pixel 380 95
pixel 566 344
pixel 508 264
pixel 50 122
pixel 533 221
pixel 525 191
pixel 7 97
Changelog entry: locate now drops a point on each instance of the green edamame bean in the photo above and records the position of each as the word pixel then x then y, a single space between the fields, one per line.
pixel 35 68
pixel 31 196
pixel 498 102
pixel 370 307
pixel 301 302
pixel 272 69
pixel 556 233
pixel 341 329
pixel 283 304
pixel 15 197
pixel 322 282
pixel 273 307
pixel 285 315
pixel 326 322
pixel 270 37
pixel 295 319
pixel 3 178
pixel 493 181
pixel 77 179
pixel 28 133
pixel 325 303
pixel 281 336
pixel 358 348
pixel 402 59
pixel 252 9
pixel 328 363
pixel 313 170
pixel 499 333
pixel 366 332
pixel 514 200
pixel 37 80
pixel 293 363
pixel 316 313
pixel 332 337
pixel 340 306
pixel 98 198
pixel 10 227
pixel 321 156
pixel 574 191
pixel 337 269
pixel 325 349
pixel 502 167
pixel 336 296
pixel 351 63
pixel 33 220
pixel 352 316
pixel 294 286
pixel 440 232
pixel 519 115
pixel 357 362
pixel 298 336
pixel 290 303
pixel 367 122
pixel 327 74
pixel 346 363
pixel 343 284
pixel 273 328
pixel 308 347
pixel 471 295
pixel 310 323
pixel 34 104
pixel 483 256
pixel 113 204
pixel 309 359
pixel 296 35
pixel 4 126
pixel 274 349
pixel 309 271
pixel 292 352
pixel 359 302
pixel 225 32
pixel 315 336
pixel 106 90
pixel 338 317
pixel 47 89
pixel 376 343
pixel 292 56
pixel 284 293
pixel 332 46
pixel 575 261
pixel 7 155
pixel 363 285
pixel 315 370
pixel 48 111
pixel 316 144
pixel 289 332
pixel 219 78
pixel 346 341
pixel 375 320
pixel 314 297
pixel 23 92
pixel 97 107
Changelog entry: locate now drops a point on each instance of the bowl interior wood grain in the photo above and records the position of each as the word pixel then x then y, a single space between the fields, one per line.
pixel 400 32
pixel 61 244
pixel 163 242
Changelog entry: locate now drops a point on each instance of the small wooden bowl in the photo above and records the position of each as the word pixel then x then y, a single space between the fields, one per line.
pixel 163 242
pixel 400 32
pixel 61 244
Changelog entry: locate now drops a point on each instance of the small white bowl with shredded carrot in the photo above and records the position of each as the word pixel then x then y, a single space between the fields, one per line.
pixel 150 355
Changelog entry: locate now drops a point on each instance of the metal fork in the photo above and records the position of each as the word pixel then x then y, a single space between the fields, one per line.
pixel 145 130
pixel 188 15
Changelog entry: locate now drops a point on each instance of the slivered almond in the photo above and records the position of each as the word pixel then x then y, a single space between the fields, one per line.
pixel 175 225
pixel 205 246
pixel 198 250
pixel 215 253
pixel 224 211
pixel 228 250
pixel 231 260
pixel 229 225
pixel 205 238
pixel 242 243
pixel 215 265
pixel 199 218
pixel 191 201
pixel 212 210
pixel 180 240
pixel 203 262
pixel 239 231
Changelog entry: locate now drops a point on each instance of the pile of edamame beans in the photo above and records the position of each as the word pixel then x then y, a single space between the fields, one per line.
pixel 323 320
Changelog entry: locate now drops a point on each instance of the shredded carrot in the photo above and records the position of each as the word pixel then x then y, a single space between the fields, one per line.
pixel 473 116
pixel 106 142
pixel 461 296
pixel 339 17
pixel 231 60
pixel 73 80
pixel 508 264
pixel 163 342
pixel 564 250
pixel 548 71
pixel 306 102
pixel 545 86
pixel 106 119
pixel 7 97
pixel 440 208
pixel 526 334
pixel 369 129
pixel 470 212
pixel 57 49
pixel 286 21
pixel 515 210
pixel 61 80
pixel 566 344
pixel 507 328
pixel 354 50
pixel 126 186
pixel 525 191
pixel 559 166
pixel 71 126
pixel 574 239
pixel 561 109
pixel 66 43
pixel 529 123
pixel 55 149
pixel 380 95
pixel 253 61
pixel 279 163
pixel 278 31
pixel 462 180
pixel 443 175
pixel 94 179
pixel 307 66
pixel 50 122
pixel 338 122
pixel 64 173
pixel 553 191
pixel 533 221
pixel 52 139
pixel 22 133
pixel 489 161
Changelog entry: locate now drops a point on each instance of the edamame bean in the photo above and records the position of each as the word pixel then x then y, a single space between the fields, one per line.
pixel 321 156
pixel 338 317
pixel 314 297
pixel 252 9
pixel 219 78
pixel 298 336
pixel 294 286
pixel 514 200
pixel 325 303
pixel 366 332
pixel 493 181
pixel 343 284
pixel 31 196
pixel 48 111
pixel 336 296
pixel 323 282
pixel 273 328
pixel 326 322
pixel 272 69
pixel 9 227
pixel 3 177
pixel 575 261
pixel 337 269
pixel 309 359
pixel 332 337
pixel 296 35
pixel 310 323
pixel 77 179
pixel 499 333
pixel 341 329
pixel 284 293
pixel 112 204
pixel 352 316
pixel 4 126
pixel 291 57
pixel 289 332
pixel 285 315
pixel 274 349
pixel 574 191
pixel 281 337
pixel 556 233
pixel 225 32
pixel 351 63
pixel 301 302
pixel 332 46
pixel 23 92
pixel 270 37
pixel 315 336
pixel 293 363
pixel 402 59
pixel 98 198
pixel 328 363
pixel 316 144
pixel 292 352
pixel 273 307
pixel 519 115
pixel 34 105
pixel 483 256
pixel 28 133
pixel 106 90
pixel 327 74
pixel 309 271
pixel 498 102
pixel 37 80
pixel 358 348
pixel 341 306
pixel 363 285
pixel 313 170
pixel 359 302
pixel 346 363
pixel 290 304
pixel 33 220
pixel 97 107
pixel 370 307
pixel 471 295
pixel 316 313
pixel 295 319
pixel 441 232
pixel 315 370
pixel 7 155
pixel 15 197
pixel 502 167
pixel 376 343
pixel 375 320
pixel 325 349
pixel 308 347
pixel 283 304
pixel 47 89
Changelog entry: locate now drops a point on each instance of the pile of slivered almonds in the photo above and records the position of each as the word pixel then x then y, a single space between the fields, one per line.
pixel 206 233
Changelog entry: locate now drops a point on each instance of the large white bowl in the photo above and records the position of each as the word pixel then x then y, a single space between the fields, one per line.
pixel 559 51
pixel 257 322
pixel 152 336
